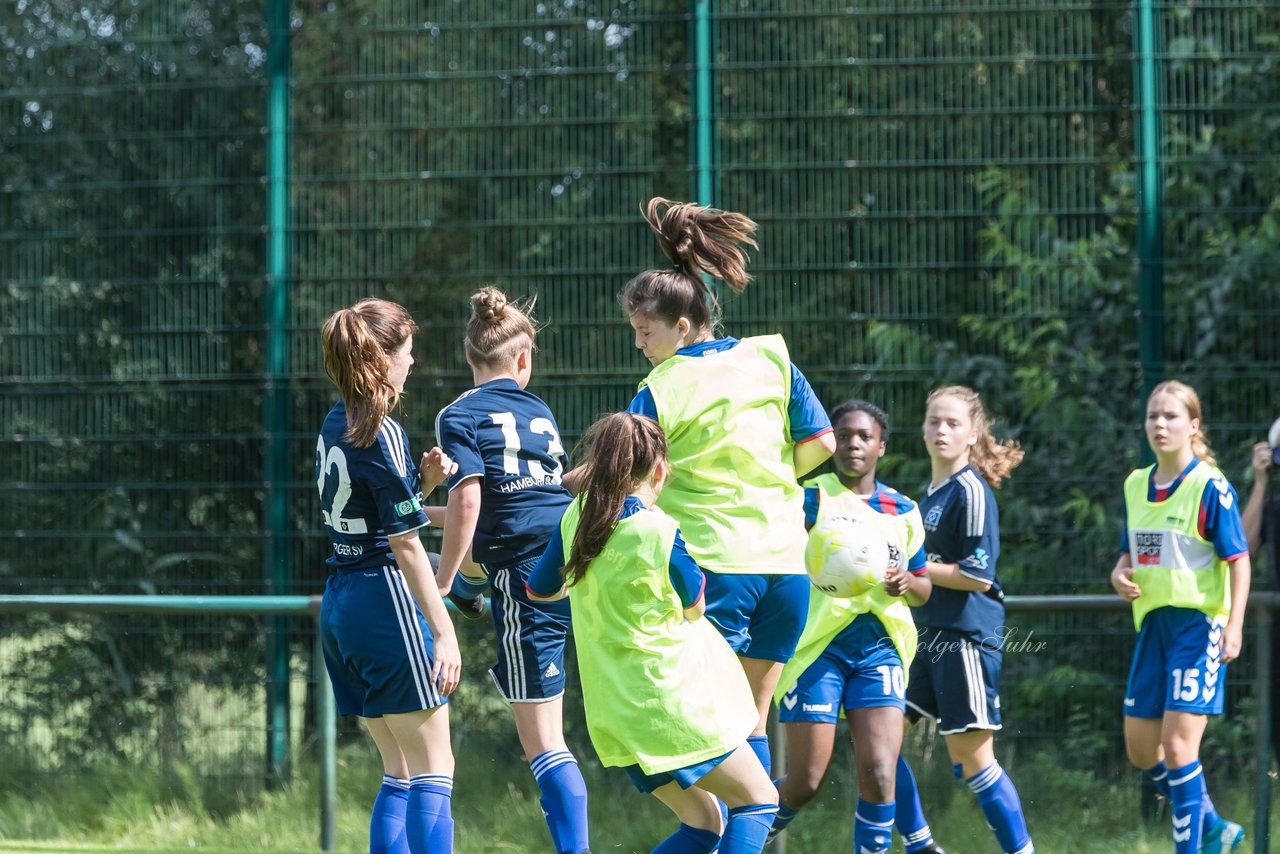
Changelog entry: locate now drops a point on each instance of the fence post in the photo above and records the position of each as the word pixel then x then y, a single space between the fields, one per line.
pixel 327 731
pixel 276 462
pixel 1150 202
pixel 1262 746
pixel 703 108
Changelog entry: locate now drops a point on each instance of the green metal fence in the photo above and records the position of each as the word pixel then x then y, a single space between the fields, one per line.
pixel 946 192
pixel 158 724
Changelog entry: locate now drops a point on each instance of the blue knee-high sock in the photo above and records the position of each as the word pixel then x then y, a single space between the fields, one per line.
pixel 1158 774
pixel 468 587
pixel 760 744
pixel 1186 795
pixel 872 827
pixel 386 824
pixel 689 840
pixel 428 819
pixel 748 829
pixel 564 799
pixel 784 816
pixel 1000 804
pixel 1208 812
pixel 908 814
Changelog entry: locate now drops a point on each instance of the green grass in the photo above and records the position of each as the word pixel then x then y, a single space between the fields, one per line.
pixel 496 810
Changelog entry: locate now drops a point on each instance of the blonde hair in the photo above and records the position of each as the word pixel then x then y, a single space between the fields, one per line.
pixel 498 329
pixel 358 343
pixel 1187 396
pixel 994 460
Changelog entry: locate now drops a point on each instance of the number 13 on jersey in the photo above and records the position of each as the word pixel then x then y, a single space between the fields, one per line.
pixel 506 421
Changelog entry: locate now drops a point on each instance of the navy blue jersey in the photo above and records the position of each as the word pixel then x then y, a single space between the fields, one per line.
pixel 366 494
pixel 508 438
pixel 962 526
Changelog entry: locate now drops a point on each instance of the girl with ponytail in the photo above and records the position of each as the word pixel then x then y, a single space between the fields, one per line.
pixel 956 677
pixel 742 424
pixel 389 645
pixel 1184 564
pixel 505 500
pixel 663 695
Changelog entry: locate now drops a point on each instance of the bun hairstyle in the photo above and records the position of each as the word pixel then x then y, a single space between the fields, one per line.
pixel 622 450
pixel 1188 397
pixel 498 329
pixel 358 343
pixel 994 460
pixel 696 240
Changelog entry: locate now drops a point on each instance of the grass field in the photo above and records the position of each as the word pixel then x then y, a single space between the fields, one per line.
pixel 496 809
pixel 1069 813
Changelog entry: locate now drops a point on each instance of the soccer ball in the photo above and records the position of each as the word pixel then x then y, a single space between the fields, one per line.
pixel 846 557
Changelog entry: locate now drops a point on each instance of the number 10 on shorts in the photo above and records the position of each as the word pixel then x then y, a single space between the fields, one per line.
pixel 891 676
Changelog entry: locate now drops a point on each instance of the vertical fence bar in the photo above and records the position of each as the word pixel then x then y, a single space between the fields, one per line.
pixel 276 466
pixel 703 110
pixel 1150 202
pixel 1262 747
pixel 327 731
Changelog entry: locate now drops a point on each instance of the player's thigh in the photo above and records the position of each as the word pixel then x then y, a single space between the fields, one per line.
pixel 740 780
pixel 877 740
pixel 810 745
pixel 540 726
pixel 692 806
pixel 1142 740
pixel 393 761
pixel 423 738
pixel 973 750
pixel 1180 735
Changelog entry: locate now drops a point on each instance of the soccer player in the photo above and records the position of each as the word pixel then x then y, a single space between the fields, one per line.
pixel 663 695
pixel 505 500
pixel 853 651
pixel 955 677
pixel 741 424
pixel 389 645
pixel 1184 564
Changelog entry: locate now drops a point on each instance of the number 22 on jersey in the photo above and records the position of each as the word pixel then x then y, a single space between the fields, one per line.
pixel 336 461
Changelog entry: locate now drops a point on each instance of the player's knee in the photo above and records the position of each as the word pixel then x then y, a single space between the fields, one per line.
pixel 1179 750
pixel 876 778
pixel 800 786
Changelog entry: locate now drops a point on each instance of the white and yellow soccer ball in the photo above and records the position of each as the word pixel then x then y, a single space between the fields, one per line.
pixel 846 557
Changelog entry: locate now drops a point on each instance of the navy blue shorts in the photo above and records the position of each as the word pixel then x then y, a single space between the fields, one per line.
pixel 530 637
pixel 684 777
pixel 859 669
pixel 761 616
pixel 378 647
pixel 1176 665
pixel 956 680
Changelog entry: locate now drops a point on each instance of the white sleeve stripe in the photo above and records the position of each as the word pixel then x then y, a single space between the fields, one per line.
pixel 395 445
pixel 975 577
pixel 976 498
